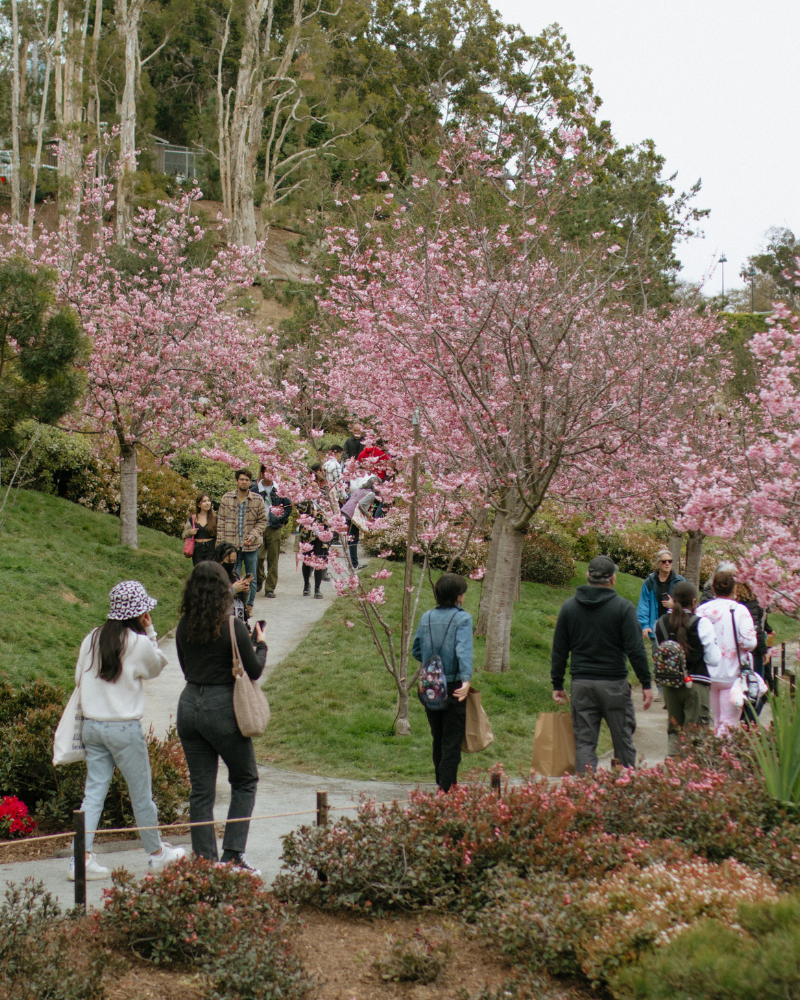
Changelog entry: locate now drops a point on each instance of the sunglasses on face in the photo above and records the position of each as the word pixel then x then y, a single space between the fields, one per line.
pixel 667 562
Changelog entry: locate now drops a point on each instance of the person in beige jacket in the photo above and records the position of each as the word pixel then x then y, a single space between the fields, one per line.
pixel 241 520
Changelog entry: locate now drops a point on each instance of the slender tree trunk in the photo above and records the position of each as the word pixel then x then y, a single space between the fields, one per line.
pixel 504 588
pixel 675 546
pixel 23 81
pixel 128 17
pixel 694 555
pixel 128 500
pixel 222 127
pixel 37 162
pixel 489 575
pixel 15 89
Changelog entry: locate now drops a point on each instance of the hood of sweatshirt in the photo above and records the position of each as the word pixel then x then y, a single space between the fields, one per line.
pixel 594 597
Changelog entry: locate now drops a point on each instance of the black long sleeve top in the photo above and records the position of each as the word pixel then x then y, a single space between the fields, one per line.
pixel 212 663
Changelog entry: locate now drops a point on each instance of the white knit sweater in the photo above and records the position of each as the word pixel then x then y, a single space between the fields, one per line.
pixel 123 700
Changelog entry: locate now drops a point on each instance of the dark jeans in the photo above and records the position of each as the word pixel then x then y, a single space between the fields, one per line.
pixel 208 730
pixel 447 729
pixel 595 700
pixel 202 551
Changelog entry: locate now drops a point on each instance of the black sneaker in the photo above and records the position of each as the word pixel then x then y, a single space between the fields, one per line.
pixel 318 595
pixel 306 591
pixel 244 867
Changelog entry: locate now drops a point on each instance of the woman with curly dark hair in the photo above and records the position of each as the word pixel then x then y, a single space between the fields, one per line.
pixel 206 720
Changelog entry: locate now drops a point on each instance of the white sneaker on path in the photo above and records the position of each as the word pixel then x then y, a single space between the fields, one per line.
pixel 94 870
pixel 166 856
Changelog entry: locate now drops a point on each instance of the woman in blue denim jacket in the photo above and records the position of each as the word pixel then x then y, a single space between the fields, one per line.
pixel 446 631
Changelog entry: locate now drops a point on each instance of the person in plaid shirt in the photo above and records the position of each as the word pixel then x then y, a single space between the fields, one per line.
pixel 241 520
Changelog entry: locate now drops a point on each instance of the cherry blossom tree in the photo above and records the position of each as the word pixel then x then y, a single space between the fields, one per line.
pixel 525 371
pixel 171 362
pixel 748 492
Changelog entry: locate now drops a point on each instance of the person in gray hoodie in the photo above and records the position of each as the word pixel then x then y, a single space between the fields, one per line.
pixel 598 632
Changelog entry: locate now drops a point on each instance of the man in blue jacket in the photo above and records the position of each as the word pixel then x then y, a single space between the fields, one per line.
pixel 597 631
pixel 655 590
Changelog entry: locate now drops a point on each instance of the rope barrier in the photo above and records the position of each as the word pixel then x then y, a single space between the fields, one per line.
pixel 170 826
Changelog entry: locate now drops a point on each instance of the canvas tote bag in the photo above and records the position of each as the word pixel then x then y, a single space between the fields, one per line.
pixel 68 746
pixel 553 745
pixel 250 705
pixel 478 734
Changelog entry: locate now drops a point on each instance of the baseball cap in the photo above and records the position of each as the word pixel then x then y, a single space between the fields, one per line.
pixel 602 568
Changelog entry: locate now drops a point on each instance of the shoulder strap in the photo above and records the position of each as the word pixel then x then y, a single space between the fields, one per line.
pixel 238 667
pixel 736 636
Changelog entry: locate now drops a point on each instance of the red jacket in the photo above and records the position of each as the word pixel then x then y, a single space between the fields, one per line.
pixel 380 462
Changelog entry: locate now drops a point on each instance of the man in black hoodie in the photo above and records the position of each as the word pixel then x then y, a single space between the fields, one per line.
pixel 597 630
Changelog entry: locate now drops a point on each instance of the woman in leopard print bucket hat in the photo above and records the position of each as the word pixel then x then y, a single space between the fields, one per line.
pixel 114 661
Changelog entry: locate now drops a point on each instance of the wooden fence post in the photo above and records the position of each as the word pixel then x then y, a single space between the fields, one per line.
pixel 79 856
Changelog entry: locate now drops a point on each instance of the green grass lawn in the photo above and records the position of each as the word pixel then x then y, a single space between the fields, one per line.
pixel 58 562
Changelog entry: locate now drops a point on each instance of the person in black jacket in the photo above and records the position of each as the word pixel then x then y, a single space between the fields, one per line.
pixel 598 631
pixel 206 720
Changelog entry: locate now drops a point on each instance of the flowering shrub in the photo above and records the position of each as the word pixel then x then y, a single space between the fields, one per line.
pixel 634 909
pixel 223 923
pixel 14 818
pixel 759 960
pixel 417 958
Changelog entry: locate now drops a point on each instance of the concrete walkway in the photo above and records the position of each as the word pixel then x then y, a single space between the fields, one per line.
pixel 289 617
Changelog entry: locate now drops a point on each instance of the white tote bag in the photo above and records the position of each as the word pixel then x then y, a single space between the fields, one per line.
pixel 68 746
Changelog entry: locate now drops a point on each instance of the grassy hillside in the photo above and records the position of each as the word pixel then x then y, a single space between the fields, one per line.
pixel 58 562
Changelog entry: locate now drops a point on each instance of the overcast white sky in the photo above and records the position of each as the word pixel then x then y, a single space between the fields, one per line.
pixel 716 85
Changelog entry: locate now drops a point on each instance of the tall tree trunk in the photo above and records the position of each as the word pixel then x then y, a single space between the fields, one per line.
pixel 694 555
pixel 675 546
pixel 504 588
pixel 37 162
pixel 403 725
pixel 223 110
pixel 128 500
pixel 489 575
pixel 15 88
pixel 23 82
pixel 69 112
pixel 128 17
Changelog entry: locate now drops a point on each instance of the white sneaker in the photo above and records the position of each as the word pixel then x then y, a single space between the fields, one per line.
pixel 242 866
pixel 94 870
pixel 166 856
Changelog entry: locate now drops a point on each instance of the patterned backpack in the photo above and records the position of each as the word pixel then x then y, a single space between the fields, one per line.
pixel 432 685
pixel 669 664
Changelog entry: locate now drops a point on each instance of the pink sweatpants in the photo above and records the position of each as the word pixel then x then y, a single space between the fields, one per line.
pixel 726 715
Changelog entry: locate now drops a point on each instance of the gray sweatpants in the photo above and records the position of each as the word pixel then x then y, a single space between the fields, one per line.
pixel 592 701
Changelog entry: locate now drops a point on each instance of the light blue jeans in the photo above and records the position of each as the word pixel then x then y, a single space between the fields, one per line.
pixel 247 565
pixel 120 744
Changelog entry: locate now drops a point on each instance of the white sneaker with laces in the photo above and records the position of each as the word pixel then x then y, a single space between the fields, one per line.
pixel 166 856
pixel 244 867
pixel 94 870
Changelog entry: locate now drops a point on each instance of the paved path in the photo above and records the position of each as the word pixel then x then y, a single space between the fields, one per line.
pixel 289 617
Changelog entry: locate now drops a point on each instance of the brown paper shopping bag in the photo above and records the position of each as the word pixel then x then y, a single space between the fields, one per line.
pixel 553 745
pixel 478 733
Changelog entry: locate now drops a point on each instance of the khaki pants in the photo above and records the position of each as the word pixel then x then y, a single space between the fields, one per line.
pixel 686 707
pixel 269 553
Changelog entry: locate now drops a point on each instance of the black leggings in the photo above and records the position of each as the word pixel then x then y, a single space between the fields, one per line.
pixel 447 730
pixel 318 575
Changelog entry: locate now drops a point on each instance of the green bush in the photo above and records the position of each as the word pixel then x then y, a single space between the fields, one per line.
pixel 420 957
pixel 545 560
pixel 28 720
pixel 208 476
pixel 715 962
pixel 37 953
pixel 67 466
pixel 221 922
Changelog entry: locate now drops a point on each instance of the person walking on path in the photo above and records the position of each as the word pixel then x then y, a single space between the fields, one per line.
pixel 654 593
pixel 736 635
pixel 203 528
pixel 206 720
pixel 597 630
pixel 362 499
pixel 707 593
pixel 688 706
pixel 446 631
pixel 354 445
pixel 241 520
pixel 113 661
pixel 315 538
pixel 270 549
